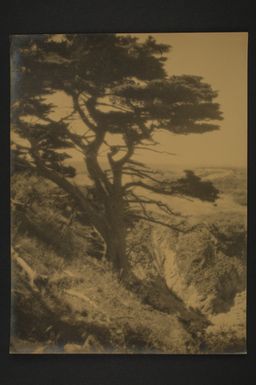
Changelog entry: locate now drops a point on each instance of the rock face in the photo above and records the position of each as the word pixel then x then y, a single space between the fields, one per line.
pixel 197 271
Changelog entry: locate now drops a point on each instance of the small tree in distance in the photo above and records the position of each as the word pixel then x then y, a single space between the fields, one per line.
pixel 118 86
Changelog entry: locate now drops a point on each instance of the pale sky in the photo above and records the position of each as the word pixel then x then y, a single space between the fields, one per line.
pixel 221 59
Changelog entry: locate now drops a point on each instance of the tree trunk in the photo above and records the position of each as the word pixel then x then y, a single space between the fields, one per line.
pixel 116 247
pixel 115 236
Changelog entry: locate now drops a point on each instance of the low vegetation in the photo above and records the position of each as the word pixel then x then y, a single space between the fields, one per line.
pixel 67 300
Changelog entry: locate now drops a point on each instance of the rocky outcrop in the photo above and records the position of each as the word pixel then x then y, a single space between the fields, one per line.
pixel 197 271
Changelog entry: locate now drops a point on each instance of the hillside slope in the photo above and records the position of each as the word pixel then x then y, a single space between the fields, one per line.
pixel 183 298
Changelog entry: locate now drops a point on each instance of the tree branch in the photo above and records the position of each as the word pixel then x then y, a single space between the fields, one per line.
pixel 147 187
pixel 114 106
pixel 144 170
pixel 153 150
pixel 93 216
pixel 136 163
pixel 165 224
pixel 141 174
pixel 119 163
pixel 77 139
pixel 93 167
pixel 164 207
pixel 82 114
pixel 90 151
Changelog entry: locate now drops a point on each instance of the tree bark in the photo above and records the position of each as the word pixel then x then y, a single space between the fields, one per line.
pixel 116 245
pixel 115 236
pixel 115 210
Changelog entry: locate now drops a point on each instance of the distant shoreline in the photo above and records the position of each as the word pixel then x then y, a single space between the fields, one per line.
pixel 164 166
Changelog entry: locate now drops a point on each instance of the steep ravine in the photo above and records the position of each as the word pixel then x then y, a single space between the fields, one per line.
pixel 211 282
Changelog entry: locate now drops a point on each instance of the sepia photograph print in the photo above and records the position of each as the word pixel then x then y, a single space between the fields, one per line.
pixel 128 193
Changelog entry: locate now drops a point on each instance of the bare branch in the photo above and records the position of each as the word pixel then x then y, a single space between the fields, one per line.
pixel 119 163
pixel 144 170
pixel 136 163
pixel 164 207
pixel 141 174
pixel 67 117
pixel 114 106
pixel 153 150
pixel 77 140
pixel 141 203
pixel 148 187
pixel 81 112
pixel 165 224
